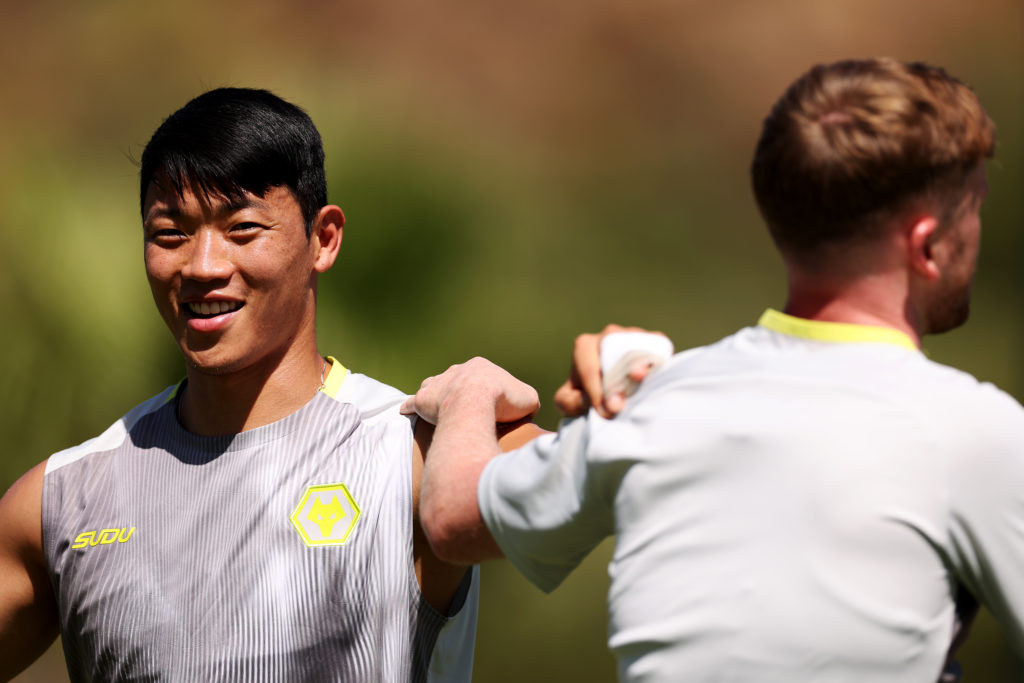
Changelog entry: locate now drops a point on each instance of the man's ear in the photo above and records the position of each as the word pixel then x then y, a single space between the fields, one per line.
pixel 327 230
pixel 921 256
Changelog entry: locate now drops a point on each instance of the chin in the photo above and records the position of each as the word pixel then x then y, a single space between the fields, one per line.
pixel 951 314
pixel 216 370
pixel 210 364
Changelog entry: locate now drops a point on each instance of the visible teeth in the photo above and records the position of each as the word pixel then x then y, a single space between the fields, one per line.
pixel 212 307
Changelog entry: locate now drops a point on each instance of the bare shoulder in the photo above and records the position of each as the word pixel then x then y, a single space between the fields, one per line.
pixel 21 512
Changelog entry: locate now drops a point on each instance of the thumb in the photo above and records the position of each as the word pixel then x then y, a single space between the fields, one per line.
pixel 408 406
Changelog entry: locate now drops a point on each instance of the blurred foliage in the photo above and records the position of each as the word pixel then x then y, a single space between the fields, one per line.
pixel 512 174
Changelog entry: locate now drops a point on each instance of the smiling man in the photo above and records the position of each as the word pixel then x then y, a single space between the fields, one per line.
pixel 256 521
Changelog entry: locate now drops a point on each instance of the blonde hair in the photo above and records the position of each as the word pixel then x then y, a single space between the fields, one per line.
pixel 850 141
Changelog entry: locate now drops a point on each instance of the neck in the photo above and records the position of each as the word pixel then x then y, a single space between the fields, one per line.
pixel 880 300
pixel 221 404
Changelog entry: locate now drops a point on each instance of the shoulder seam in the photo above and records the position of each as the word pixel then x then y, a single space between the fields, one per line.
pixel 114 434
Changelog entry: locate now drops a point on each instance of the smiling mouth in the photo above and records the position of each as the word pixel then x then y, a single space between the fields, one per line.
pixel 211 309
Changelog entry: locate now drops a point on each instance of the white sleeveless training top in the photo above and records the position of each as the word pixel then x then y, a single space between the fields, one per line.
pixel 283 553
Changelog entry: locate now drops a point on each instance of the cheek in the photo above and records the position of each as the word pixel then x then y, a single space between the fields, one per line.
pixel 160 273
pixel 969 248
pixel 277 271
pixel 159 266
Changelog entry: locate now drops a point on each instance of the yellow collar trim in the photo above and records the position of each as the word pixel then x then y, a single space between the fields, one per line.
pixel 174 392
pixel 332 383
pixel 337 375
pixel 834 332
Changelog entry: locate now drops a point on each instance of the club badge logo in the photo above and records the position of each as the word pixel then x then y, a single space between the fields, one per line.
pixel 326 515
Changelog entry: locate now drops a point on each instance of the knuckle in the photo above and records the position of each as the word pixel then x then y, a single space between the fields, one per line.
pixel 583 341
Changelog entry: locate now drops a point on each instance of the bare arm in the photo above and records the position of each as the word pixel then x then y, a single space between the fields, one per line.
pixel 440 578
pixel 466 402
pixel 28 611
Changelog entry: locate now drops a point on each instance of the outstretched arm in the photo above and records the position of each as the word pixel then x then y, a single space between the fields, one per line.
pixel 465 402
pixel 440 580
pixel 28 612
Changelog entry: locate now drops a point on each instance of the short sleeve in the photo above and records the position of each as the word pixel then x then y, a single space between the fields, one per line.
pixel 987 512
pixel 544 505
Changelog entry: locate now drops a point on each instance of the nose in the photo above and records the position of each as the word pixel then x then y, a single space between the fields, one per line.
pixel 209 257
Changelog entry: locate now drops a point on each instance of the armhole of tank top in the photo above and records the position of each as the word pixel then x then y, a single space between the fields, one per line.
pixel 459 599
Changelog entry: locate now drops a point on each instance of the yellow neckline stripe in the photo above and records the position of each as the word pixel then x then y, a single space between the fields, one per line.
pixel 337 375
pixel 834 332
pixel 332 383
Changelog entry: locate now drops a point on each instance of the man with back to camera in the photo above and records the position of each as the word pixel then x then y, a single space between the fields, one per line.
pixel 800 500
pixel 258 520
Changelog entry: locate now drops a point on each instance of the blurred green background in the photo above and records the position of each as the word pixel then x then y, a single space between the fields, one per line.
pixel 512 174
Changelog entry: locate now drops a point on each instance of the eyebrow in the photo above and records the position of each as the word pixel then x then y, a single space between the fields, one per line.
pixel 235 205
pixel 220 209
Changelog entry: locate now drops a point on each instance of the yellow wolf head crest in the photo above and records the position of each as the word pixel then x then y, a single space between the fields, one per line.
pixel 326 516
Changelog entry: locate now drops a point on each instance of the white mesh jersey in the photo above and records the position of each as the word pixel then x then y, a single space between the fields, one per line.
pixel 796 502
pixel 283 553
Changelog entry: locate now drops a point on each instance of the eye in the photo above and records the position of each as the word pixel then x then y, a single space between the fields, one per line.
pixel 166 236
pixel 248 226
pixel 246 230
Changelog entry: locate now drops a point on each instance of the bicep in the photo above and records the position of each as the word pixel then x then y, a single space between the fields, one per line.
pixel 28 612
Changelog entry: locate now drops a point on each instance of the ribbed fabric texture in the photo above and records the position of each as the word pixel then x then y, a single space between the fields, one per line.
pixel 215 582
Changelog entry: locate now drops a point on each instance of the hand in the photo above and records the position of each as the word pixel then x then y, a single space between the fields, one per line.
pixel 622 379
pixel 588 386
pixel 478 383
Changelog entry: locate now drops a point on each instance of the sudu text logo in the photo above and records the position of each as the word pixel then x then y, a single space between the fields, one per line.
pixel 88 539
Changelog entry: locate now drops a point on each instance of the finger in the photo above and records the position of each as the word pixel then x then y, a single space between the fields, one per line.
pixel 614 404
pixel 586 359
pixel 569 400
pixel 630 328
pixel 408 406
pixel 517 401
pixel 611 328
pixel 516 408
pixel 639 370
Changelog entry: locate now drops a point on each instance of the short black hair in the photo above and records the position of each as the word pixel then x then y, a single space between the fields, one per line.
pixel 230 141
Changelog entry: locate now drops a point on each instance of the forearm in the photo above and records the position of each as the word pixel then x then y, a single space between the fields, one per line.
pixel 464 442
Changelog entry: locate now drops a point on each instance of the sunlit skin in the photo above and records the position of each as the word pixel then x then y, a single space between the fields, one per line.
pixel 957 246
pixel 920 274
pixel 235 282
pixel 256 361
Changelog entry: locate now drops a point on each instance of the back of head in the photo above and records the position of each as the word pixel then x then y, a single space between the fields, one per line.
pixel 851 142
pixel 233 140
